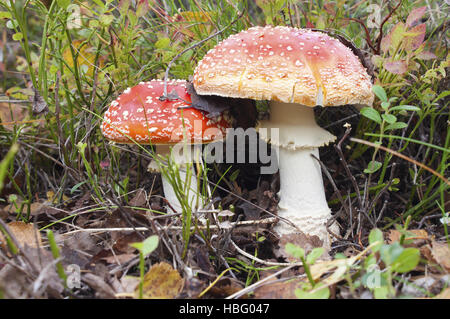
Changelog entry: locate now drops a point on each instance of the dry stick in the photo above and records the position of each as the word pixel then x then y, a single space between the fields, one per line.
pixel 269 220
pixel 350 231
pixel 124 213
pixel 338 148
pixel 384 189
pixel 15 101
pixel 166 75
pixel 380 35
pixel 269 263
pixel 259 283
pixel 58 112
pixel 432 171
pixel 47 156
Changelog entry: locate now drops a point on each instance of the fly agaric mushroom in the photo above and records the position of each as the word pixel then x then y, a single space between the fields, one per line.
pixel 138 115
pixel 295 69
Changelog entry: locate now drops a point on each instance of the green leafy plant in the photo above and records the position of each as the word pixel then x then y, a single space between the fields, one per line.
pixel 386 120
pixel 310 289
pixel 145 248
pixel 394 258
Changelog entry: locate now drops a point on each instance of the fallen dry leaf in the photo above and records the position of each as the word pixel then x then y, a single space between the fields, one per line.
pixel 278 290
pixel 139 199
pixel 101 288
pixel 36 277
pixel 445 294
pixel 128 285
pixel 161 282
pixel 24 233
pixel 118 259
pixel 224 288
pixel 441 253
pixel 299 239
pixel 13 283
pixel 417 236
pixel 338 267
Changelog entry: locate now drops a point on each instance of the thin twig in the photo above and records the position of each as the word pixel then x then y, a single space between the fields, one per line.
pixel 380 35
pixel 259 283
pixel 269 220
pixel 432 171
pixel 338 148
pixel 268 263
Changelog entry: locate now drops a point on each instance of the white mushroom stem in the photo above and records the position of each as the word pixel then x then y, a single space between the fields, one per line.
pixel 302 194
pixel 181 155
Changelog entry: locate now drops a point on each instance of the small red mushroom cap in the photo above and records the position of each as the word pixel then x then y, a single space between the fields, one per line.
pixel 138 115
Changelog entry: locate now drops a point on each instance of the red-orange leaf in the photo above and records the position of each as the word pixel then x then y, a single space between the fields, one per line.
pixel 415 15
pixel 414 37
pixel 396 67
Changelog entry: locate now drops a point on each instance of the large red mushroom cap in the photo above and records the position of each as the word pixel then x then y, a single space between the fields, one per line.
pixel 138 115
pixel 284 64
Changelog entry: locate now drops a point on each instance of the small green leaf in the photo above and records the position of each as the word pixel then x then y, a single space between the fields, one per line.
pixel 74 188
pixel 407 260
pixel 17 36
pixel 314 254
pixel 396 126
pixel 147 246
pixel 389 253
pixel 391 119
pixel 5 15
pixel 81 146
pixel 381 292
pixel 234 175
pixel 442 95
pixel 106 19
pixel 100 3
pixel 294 250
pixel 162 43
pixel 63 3
pixel 372 167
pixel 371 113
pixel 319 293
pixel 94 24
pixel 380 93
pixel 385 105
pixel 376 235
pixel 405 108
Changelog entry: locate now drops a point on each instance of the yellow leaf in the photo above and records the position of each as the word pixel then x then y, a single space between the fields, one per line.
pixel 161 282
pixel 85 58
pixel 24 233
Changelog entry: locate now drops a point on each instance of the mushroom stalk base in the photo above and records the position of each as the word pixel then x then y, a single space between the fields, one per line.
pixel 302 194
pixel 169 192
